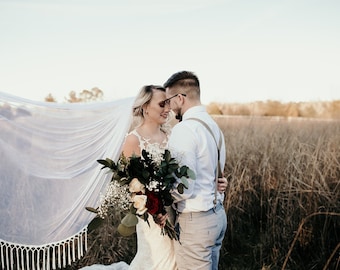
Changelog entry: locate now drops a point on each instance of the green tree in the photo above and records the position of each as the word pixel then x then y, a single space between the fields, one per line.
pixel 84 96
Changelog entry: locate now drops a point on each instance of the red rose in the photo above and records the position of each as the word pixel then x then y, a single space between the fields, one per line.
pixel 153 203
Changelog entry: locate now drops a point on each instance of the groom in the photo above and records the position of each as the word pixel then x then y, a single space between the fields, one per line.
pixel 201 216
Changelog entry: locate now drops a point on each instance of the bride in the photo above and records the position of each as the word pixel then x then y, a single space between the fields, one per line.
pixel 154 250
pixel 151 110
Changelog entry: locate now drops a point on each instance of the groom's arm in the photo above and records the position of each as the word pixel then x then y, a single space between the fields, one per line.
pixel 182 145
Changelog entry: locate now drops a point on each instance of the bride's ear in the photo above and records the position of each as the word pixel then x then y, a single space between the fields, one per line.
pixel 144 110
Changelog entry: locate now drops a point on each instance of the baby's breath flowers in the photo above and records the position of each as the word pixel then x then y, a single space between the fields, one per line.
pixel 116 196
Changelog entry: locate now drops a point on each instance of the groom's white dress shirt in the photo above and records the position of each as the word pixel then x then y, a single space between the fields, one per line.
pixel 192 145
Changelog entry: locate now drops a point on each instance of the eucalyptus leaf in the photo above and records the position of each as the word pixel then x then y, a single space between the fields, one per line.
pixel 183 170
pixel 172 161
pixel 126 231
pixel 129 220
pixel 169 177
pixel 133 210
pixel 191 174
pixel 185 181
pixel 91 209
pixel 173 166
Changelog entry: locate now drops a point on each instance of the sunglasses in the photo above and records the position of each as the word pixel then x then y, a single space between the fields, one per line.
pixel 167 101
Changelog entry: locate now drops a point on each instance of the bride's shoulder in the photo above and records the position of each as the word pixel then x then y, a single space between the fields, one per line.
pixel 133 134
pixel 133 138
pixel 131 144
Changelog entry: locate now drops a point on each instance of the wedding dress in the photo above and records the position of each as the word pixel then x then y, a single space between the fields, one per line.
pixel 154 250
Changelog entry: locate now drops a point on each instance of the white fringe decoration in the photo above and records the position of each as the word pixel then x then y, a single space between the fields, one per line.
pixel 45 257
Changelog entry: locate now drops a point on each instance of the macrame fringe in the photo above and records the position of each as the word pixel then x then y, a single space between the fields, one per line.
pixel 44 257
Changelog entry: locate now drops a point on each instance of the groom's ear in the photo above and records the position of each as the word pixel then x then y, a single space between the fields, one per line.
pixel 181 98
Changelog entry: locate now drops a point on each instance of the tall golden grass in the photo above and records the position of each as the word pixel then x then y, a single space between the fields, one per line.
pixel 282 201
pixel 281 172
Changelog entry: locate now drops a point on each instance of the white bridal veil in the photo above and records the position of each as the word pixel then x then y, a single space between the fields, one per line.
pixel 49 174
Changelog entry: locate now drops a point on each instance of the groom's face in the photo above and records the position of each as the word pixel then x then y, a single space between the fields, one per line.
pixel 172 99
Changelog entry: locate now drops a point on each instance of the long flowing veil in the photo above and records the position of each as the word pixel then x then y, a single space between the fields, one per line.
pixel 49 174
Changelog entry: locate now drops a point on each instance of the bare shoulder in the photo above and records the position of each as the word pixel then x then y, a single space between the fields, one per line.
pixel 131 138
pixel 131 145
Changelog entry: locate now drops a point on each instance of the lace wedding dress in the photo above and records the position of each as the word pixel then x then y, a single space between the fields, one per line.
pixel 154 250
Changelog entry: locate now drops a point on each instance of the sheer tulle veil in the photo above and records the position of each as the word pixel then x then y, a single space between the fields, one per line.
pixel 49 174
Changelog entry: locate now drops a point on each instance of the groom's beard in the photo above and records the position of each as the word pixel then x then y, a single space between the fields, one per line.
pixel 179 115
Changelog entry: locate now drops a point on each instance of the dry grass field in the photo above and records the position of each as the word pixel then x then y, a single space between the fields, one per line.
pixel 282 201
pixel 283 198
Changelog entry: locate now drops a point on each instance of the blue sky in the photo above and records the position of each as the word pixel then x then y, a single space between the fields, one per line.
pixel 241 50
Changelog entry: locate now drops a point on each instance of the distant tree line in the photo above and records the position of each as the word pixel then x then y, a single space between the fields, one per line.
pixel 321 109
pixel 94 94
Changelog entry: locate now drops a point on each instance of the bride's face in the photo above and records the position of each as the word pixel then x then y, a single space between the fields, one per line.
pixel 157 111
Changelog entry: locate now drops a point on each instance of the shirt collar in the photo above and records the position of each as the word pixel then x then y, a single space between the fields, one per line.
pixel 193 111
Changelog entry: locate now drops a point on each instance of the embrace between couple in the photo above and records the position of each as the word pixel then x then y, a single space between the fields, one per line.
pixel 201 218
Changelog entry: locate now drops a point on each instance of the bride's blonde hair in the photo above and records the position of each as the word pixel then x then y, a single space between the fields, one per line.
pixel 143 97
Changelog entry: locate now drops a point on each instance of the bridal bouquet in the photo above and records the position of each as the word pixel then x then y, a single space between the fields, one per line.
pixel 142 185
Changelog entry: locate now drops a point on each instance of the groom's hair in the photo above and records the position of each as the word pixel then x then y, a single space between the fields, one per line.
pixel 185 82
pixel 180 76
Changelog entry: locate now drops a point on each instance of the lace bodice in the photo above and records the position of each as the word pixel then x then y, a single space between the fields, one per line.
pixel 155 149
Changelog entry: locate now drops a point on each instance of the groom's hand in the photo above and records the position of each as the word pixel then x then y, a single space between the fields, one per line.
pixel 222 184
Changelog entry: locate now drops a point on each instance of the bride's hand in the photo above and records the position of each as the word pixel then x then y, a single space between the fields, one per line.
pixel 222 184
pixel 160 219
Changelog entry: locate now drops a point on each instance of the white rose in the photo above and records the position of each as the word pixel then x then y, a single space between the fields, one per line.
pixel 139 202
pixel 136 186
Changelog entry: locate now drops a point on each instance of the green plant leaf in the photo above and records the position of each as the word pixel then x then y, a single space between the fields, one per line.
pixel 91 209
pixel 95 223
pixel 191 174
pixel 133 210
pixel 103 162
pixel 129 220
pixel 183 170
pixel 180 188
pixel 108 163
pixel 126 231
pixel 185 181
pixel 146 174
pixel 167 156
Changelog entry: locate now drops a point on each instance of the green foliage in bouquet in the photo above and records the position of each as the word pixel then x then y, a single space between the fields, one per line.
pixel 149 180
